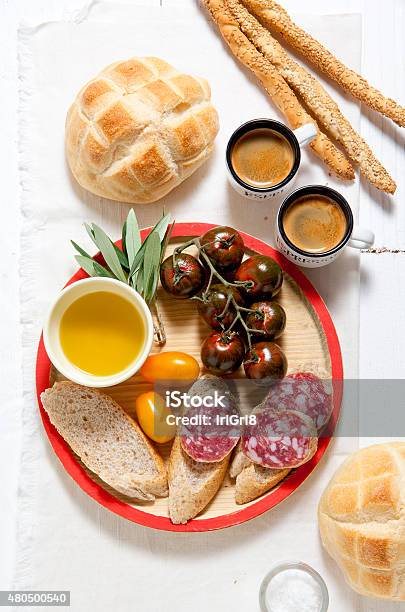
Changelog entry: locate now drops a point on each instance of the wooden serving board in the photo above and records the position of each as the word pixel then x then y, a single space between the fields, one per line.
pixel 309 338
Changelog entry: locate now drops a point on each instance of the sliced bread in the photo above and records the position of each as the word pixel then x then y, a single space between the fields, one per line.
pixel 106 439
pixel 239 462
pixel 256 480
pixel 252 480
pixel 192 484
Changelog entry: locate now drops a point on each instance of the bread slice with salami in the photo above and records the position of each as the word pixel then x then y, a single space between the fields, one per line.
pixel 192 484
pixel 294 409
pixel 199 459
pixel 252 480
pixel 214 439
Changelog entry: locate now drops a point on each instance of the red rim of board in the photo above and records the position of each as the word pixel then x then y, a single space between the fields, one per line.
pixel 78 473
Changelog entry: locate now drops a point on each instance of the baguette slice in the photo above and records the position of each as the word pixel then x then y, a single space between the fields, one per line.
pixel 239 462
pixel 192 484
pixel 256 480
pixel 252 480
pixel 106 439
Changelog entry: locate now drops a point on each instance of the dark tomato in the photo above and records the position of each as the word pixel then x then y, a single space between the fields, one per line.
pixel 265 363
pixel 222 353
pixel 269 318
pixel 183 279
pixel 225 248
pixel 213 305
pixel 264 275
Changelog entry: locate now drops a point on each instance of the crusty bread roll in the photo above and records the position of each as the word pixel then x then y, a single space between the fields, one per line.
pixel 362 520
pixel 139 129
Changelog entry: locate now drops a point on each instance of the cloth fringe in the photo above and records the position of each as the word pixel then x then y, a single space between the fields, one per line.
pixel 29 453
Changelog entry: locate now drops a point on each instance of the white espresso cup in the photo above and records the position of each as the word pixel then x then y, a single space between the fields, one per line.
pixel 297 139
pixel 355 237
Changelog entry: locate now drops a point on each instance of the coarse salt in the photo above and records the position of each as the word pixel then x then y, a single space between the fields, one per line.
pixel 293 590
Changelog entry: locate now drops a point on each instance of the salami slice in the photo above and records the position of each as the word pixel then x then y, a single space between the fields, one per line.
pixel 280 440
pixel 303 392
pixel 211 434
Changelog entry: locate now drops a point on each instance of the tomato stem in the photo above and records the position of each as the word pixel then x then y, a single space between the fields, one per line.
pixel 231 299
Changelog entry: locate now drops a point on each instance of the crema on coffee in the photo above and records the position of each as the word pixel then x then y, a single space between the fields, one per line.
pixel 315 224
pixel 262 158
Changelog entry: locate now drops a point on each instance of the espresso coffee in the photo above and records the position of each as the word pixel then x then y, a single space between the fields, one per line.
pixel 315 224
pixel 262 158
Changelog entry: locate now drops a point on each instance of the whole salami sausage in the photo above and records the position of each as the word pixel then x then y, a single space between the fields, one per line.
pixel 303 392
pixel 280 440
pixel 210 436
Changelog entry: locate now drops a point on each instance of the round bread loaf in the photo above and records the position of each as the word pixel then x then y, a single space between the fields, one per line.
pixel 362 520
pixel 139 129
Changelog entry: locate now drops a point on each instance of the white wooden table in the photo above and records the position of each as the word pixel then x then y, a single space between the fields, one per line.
pixel 382 298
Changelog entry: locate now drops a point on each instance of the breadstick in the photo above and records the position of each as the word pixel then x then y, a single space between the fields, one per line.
pixel 276 18
pixel 276 87
pixel 319 102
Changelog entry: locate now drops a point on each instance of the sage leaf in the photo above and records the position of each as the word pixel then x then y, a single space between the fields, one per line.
pixel 93 268
pixel 90 232
pixel 121 256
pixel 87 264
pixel 141 260
pixel 162 225
pixel 101 271
pixel 151 262
pixel 160 228
pixel 166 241
pixel 137 261
pixel 80 250
pixel 133 240
pixel 108 252
pixel 152 287
pixel 123 238
pixel 139 282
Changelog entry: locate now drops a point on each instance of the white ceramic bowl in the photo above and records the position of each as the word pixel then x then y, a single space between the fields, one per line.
pixel 51 330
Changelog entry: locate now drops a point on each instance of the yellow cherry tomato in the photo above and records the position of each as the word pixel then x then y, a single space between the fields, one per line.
pixel 170 366
pixel 152 413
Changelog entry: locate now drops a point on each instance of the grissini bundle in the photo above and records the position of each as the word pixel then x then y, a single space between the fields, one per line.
pixel 276 86
pixel 276 18
pixel 319 102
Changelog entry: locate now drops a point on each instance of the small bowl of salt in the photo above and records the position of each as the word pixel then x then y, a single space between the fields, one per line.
pixel 293 586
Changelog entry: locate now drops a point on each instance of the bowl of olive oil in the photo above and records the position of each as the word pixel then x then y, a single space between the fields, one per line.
pixel 99 332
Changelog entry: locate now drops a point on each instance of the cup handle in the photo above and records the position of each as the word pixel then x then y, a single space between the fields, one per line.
pixel 305 134
pixel 361 238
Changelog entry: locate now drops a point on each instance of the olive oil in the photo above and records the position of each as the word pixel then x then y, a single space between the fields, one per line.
pixel 101 333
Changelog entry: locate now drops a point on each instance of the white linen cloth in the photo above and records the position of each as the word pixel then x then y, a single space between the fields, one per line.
pixel 67 541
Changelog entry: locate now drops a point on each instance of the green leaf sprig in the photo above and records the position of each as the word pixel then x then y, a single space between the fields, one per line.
pixel 138 263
